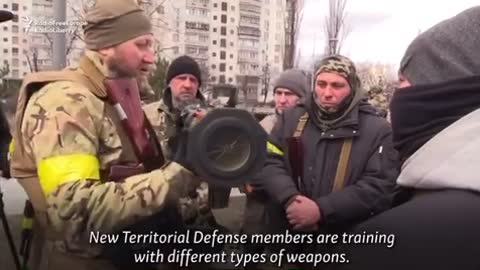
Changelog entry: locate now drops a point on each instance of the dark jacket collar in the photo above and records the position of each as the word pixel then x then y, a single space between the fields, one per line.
pixel 166 104
pixel 350 120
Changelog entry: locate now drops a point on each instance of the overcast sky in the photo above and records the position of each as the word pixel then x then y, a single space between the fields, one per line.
pixel 381 30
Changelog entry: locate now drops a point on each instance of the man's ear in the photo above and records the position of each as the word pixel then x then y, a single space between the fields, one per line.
pixel 106 52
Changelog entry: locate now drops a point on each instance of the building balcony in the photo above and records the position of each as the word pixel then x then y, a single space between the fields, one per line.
pixel 197 43
pixel 198 56
pixel 198 3
pixel 197 26
pixel 250 7
pixel 249 24
pixel 249 31
pixel 248 60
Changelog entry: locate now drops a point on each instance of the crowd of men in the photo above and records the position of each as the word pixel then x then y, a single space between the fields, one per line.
pixel 334 163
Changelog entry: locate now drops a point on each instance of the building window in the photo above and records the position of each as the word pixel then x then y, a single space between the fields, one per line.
pixel 214 66
pixel 223 55
pixel 223 31
pixel 15 28
pixel 5 50
pixel 15 40
pixel 231 67
pixel 222 67
pixel 214 54
pixel 223 19
pixel 232 20
pixel 232 8
pixel 15 18
pixel 232 32
pixel 224 6
pixel 231 56
pixel 15 73
pixel 230 80
pixel 223 43
pixel 5 39
pixel 215 18
pixel 231 44
pixel 5 28
pixel 15 62
pixel 222 79
pixel 14 7
pixel 25 8
pixel 215 5
pixel 191 50
pixel 5 5
pixel 214 42
pixel 214 30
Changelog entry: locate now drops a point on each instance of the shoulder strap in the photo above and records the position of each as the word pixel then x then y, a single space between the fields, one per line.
pixel 35 81
pixel 342 164
pixel 301 125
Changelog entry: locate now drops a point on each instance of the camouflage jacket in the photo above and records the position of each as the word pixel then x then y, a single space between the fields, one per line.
pixel 194 210
pixel 379 101
pixel 68 137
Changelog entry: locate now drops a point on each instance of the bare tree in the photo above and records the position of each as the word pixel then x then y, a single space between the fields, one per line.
pixel 335 27
pixel 243 87
pixel 155 10
pixel 205 74
pixel 32 60
pixel 266 82
pixel 377 78
pixel 294 19
pixel 74 37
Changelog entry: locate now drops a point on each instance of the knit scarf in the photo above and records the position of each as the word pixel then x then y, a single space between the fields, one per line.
pixel 420 112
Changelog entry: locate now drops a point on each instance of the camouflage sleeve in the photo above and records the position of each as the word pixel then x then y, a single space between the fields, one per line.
pixel 64 122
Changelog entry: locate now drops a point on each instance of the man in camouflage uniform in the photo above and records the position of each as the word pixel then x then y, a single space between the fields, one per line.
pixel 184 80
pixel 67 137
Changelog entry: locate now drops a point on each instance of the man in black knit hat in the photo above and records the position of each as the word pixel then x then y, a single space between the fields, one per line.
pixel 184 80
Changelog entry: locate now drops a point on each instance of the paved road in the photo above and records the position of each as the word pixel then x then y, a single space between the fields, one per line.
pixel 14 198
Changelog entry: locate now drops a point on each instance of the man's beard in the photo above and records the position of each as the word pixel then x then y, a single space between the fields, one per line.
pixel 118 67
pixel 183 100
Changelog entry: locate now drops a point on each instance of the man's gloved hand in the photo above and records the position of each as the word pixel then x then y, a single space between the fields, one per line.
pixel 180 156
pixel 186 185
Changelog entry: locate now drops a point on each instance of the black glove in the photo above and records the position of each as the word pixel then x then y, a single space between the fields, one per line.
pixel 180 156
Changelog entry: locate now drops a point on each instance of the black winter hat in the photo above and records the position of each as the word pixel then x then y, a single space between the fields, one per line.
pixel 184 65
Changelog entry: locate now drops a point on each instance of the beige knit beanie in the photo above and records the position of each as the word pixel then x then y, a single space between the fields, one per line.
pixel 111 22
